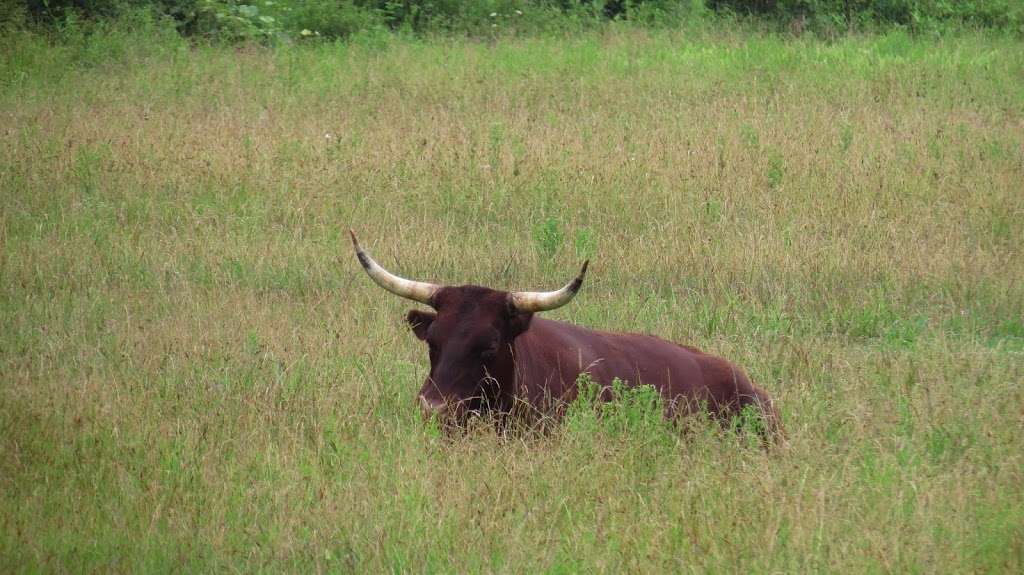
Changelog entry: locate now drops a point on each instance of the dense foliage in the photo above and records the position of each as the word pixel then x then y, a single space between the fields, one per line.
pixel 233 20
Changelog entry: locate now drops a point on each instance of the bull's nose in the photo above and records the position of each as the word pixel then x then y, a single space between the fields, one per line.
pixel 431 406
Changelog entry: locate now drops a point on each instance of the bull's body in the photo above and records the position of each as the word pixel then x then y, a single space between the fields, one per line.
pixel 551 355
pixel 488 352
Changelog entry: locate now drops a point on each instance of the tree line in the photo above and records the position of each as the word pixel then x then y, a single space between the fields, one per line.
pixel 246 20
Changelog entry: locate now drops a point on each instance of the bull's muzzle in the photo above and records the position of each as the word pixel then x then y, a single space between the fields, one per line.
pixel 432 407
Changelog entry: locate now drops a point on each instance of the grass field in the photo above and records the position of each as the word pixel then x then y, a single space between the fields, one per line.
pixel 195 374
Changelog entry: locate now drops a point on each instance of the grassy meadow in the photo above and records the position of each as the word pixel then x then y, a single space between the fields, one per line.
pixel 195 373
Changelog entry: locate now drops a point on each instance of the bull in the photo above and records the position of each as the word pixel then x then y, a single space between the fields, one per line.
pixel 490 352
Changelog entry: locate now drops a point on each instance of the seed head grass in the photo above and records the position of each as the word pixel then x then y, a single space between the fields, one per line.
pixel 197 375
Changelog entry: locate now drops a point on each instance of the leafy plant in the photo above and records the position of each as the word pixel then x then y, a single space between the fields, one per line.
pixel 230 21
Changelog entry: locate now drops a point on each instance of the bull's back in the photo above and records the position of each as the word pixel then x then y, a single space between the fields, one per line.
pixel 553 354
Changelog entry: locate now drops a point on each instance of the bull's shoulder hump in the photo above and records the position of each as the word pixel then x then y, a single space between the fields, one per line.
pixel 548 328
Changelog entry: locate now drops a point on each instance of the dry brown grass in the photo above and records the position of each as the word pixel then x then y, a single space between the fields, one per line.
pixel 196 375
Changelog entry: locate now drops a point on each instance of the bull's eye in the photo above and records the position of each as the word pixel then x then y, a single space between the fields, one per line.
pixel 489 352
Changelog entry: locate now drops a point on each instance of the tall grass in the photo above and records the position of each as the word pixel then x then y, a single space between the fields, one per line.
pixel 196 375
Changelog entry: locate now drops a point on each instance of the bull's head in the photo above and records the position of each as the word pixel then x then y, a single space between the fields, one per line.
pixel 469 335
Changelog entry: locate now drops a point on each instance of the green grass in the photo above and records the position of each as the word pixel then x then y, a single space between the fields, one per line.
pixel 195 374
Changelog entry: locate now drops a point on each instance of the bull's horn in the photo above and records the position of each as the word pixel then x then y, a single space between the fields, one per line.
pixel 529 301
pixel 416 291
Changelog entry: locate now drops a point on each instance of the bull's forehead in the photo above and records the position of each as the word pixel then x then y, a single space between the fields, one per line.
pixel 471 311
pixel 471 299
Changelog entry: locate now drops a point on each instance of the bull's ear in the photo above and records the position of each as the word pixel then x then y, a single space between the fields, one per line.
pixel 420 322
pixel 518 322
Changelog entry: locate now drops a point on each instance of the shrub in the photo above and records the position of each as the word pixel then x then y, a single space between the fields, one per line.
pixel 13 16
pixel 227 20
pixel 849 14
pixel 242 20
pixel 329 19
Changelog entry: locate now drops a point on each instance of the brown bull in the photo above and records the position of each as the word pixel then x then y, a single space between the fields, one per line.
pixel 489 352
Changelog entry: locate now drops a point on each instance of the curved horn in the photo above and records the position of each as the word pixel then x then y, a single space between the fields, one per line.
pixel 529 301
pixel 416 291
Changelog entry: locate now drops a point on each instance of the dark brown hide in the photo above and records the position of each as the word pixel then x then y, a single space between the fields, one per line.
pixel 485 355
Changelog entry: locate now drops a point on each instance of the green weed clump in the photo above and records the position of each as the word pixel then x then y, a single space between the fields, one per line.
pixel 196 375
pixel 633 412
